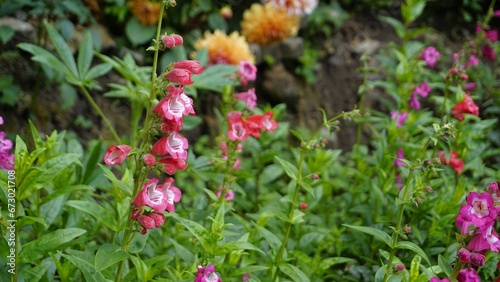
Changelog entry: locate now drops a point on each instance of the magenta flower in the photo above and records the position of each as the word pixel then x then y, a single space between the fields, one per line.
pixel 116 154
pixel 399 156
pixel 400 117
pixel 414 102
pixel 175 145
pixel 159 218
pixel 467 106
pixel 247 72
pixel 229 195
pixel 491 35
pixel 477 259
pixel 496 13
pixel 146 222
pixel 493 187
pixel 168 41
pixel 470 86
pixel 177 39
pixel 478 211
pixel 468 275
pixel 430 55
pixel 151 195
pixel 175 106
pixel 488 52
pixel 464 255
pixel 473 61
pixel 486 238
pixel 248 97
pixel 5 144
pixel 422 89
pixel 207 274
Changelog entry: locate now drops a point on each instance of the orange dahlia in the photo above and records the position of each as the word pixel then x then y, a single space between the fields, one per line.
pixel 147 12
pixel 225 49
pixel 267 24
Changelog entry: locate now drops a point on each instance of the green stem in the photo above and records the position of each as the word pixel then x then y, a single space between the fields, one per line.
pixel 289 224
pixel 456 270
pixel 100 113
pixel 140 175
pixel 406 193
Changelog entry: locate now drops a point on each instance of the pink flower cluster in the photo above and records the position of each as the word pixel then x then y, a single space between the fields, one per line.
pixel 240 128
pixel 6 159
pixel 476 221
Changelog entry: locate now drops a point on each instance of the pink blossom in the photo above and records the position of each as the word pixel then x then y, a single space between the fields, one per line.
pixel 473 61
pixel 454 161
pixel 238 130
pixel 151 195
pixel 467 106
pixel 493 187
pixel 173 194
pixel 488 52
pixel 174 144
pixel 248 97
pixel 486 238
pixel 477 259
pixel 247 72
pixel 5 144
pixel 171 165
pixel 207 274
pixel 237 164
pixel 470 86
pixel 479 210
pixel 430 55
pixel 414 102
pixel 192 66
pixel 177 39
pixel 146 222
pixel 6 161
pixel 491 35
pixel 468 275
pixel 116 154
pixel 422 89
pixel 149 159
pixel 180 76
pixel 159 218
pixel 262 122
pixel 168 41
pixel 399 156
pixel 400 117
pixel 229 195
pixel 175 106
pixel 496 13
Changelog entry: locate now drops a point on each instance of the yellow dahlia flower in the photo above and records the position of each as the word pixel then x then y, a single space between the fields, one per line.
pixel 225 49
pixel 147 12
pixel 266 24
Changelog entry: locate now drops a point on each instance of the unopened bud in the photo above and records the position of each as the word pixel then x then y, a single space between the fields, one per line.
pixel 477 259
pixel 464 255
pixel 303 206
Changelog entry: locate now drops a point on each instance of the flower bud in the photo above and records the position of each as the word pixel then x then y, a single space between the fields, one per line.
pixel 146 221
pixel 226 12
pixel 177 39
pixel 407 229
pixel 158 218
pixel 115 155
pixel 477 259
pixel 303 206
pixel 149 159
pixel 191 65
pixel 168 41
pixel 464 255
pixel 180 76
pixel 399 267
pixel 493 187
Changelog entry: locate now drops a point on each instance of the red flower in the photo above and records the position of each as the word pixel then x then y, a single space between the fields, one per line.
pixel 180 76
pixel 262 122
pixel 467 106
pixel 454 162
pixel 238 130
pixel 115 155
pixel 171 165
pixel 190 65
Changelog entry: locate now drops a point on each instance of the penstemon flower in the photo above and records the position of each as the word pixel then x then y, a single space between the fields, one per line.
pixel 116 154
pixel 400 117
pixel 248 97
pixel 6 159
pixel 454 161
pixel 430 55
pixel 467 106
pixel 247 72
pixel 207 274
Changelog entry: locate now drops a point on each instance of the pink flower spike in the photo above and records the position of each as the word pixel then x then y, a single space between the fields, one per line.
pixel 180 76
pixel 247 72
pixel 248 97
pixel 430 55
pixel 192 66
pixel 116 154
pixel 481 208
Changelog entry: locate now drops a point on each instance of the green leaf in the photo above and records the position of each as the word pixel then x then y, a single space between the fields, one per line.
pixel 138 33
pixel 107 255
pixel 85 54
pixel 413 247
pixel 38 248
pixel 97 71
pixel 397 25
pixel 233 246
pixel 445 265
pixel 92 158
pixel 80 260
pixel 27 220
pixel 293 272
pixel 307 187
pixel 62 49
pixel 414 269
pixel 271 239
pixel 68 96
pixel 329 262
pixel 196 229
pixel 103 215
pixel 215 77
pixel 36 273
pixel 202 56
pixel 182 252
pixel 6 33
pixel 215 21
pixel 138 243
pixel 45 57
pixel 289 168
pixel 125 187
pixel 377 233
pixel 249 269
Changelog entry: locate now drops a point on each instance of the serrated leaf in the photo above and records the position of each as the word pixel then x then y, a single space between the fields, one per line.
pixel 38 248
pixel 289 168
pixel 377 233
pixel 413 247
pixel 293 272
pixel 85 54
pixel 107 255
pixel 62 49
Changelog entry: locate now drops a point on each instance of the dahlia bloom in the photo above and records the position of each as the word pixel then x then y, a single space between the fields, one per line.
pixel 147 12
pixel 454 162
pixel 116 154
pixel 207 274
pixel 248 97
pixel 266 24
pixel 467 106
pixel 430 55
pixel 225 49
pixel 294 7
